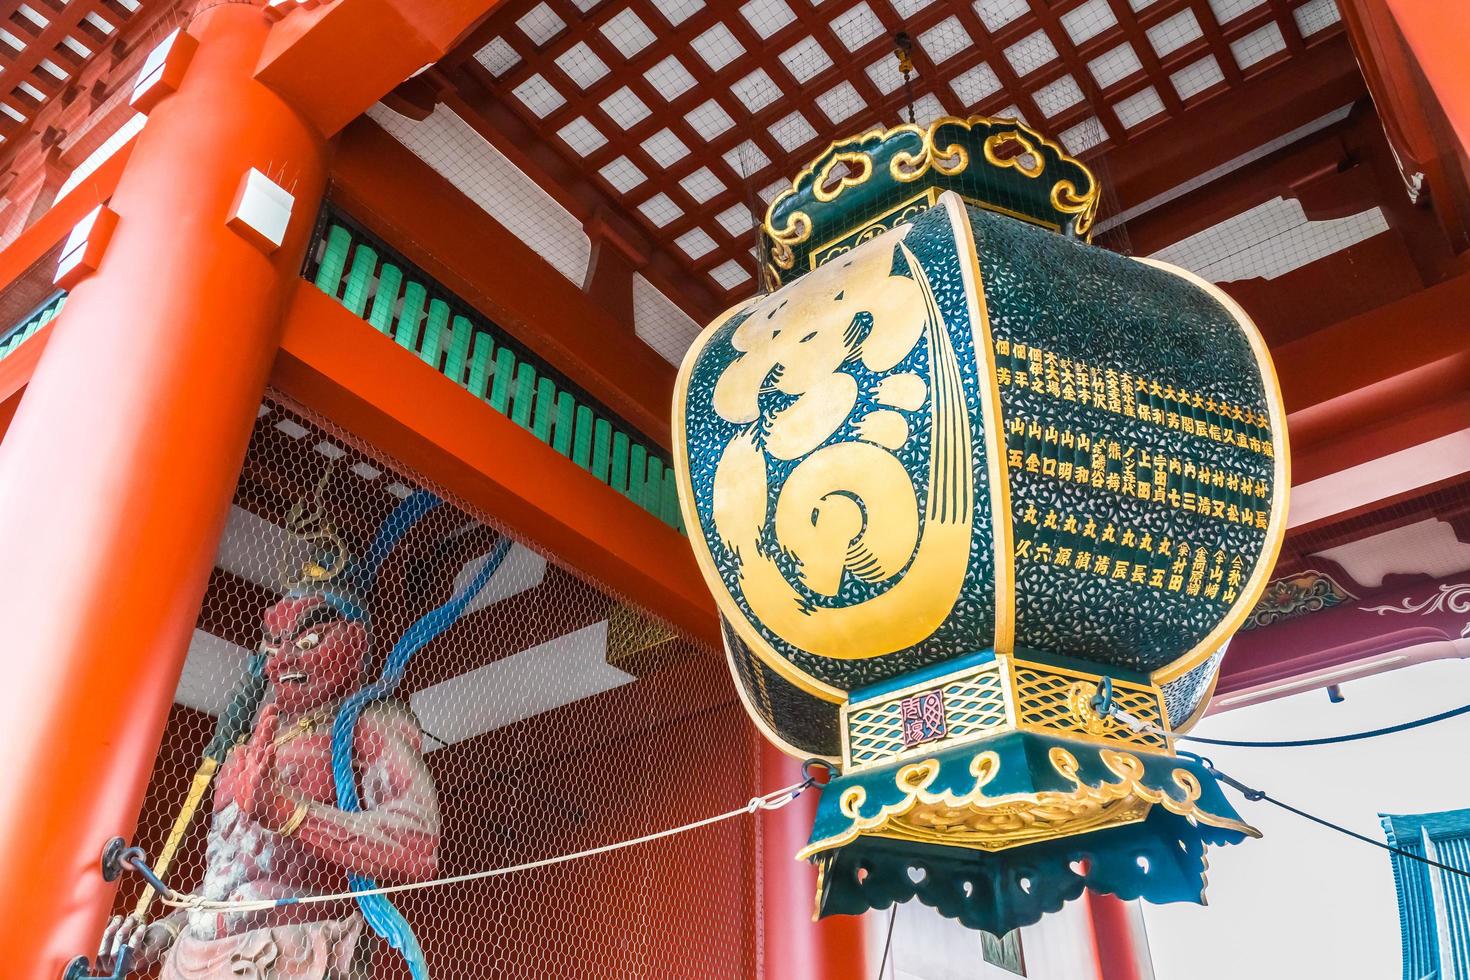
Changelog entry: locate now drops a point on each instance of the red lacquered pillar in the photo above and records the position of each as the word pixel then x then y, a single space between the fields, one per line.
pixel 117 472
pixel 1120 947
pixel 793 947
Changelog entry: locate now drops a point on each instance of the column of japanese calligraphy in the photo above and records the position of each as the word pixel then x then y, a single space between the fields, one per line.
pixel 1153 466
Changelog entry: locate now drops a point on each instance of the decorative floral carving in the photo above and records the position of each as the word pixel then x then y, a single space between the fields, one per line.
pixel 1297 595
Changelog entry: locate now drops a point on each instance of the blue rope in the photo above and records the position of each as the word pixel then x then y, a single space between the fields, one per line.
pixel 412 510
pixel 1330 739
pixel 379 912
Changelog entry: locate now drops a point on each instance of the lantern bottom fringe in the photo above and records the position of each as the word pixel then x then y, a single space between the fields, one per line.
pixel 1161 860
pixel 999 832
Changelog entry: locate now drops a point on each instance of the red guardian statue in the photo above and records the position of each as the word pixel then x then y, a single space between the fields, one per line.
pixel 277 830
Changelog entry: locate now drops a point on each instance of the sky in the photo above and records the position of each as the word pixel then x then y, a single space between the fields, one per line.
pixel 1305 901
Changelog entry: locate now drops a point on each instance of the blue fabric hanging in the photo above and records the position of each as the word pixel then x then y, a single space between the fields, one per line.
pixel 381 914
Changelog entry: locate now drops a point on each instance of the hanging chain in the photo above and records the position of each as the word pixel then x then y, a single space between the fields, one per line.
pixel 903 50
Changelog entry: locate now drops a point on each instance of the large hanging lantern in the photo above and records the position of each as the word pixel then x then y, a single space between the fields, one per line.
pixel 957 476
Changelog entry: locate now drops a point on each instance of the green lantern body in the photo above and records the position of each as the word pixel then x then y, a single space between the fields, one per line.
pixel 950 475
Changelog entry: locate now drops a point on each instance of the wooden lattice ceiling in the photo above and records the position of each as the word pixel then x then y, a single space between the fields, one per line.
pixel 687 113
pixel 45 43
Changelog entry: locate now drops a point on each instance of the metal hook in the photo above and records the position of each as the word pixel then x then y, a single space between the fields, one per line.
pixel 808 772
pixel 117 857
pixel 1102 701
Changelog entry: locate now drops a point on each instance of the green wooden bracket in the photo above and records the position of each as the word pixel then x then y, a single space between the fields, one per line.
pixel 355 296
pixel 582 438
pixel 407 334
pixel 544 410
pixel 619 477
pixel 637 472
pixel 334 260
pixel 434 333
pixel 480 364
pixel 505 365
pixel 669 502
pixel 653 488
pixel 459 349
pixel 520 406
pixel 561 435
pixel 385 300
pixel 601 449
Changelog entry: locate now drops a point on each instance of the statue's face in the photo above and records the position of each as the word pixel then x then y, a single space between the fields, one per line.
pixel 313 655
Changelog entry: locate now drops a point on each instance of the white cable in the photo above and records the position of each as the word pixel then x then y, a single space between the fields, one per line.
pixel 1136 723
pixel 774 800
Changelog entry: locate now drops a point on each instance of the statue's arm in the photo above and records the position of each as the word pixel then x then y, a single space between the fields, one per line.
pixel 396 836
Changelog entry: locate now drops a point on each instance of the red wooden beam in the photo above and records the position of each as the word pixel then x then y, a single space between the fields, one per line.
pixel 1440 409
pixel 17 258
pixel 1369 368
pixel 1240 190
pixel 403 200
pixel 334 60
pixel 336 365
pixel 1370 274
pixel 1323 78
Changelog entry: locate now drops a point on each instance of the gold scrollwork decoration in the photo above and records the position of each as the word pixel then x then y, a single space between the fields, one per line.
pixel 1018 159
pixel 1066 199
pixel 798 228
pixel 949 161
pixel 907 166
pixel 972 819
pixel 822 188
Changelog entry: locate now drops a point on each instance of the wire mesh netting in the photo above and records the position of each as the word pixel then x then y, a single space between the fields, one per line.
pixel 384 688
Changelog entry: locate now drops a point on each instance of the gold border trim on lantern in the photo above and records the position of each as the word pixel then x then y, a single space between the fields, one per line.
pixel 914 779
pixel 1065 199
pixel 821 254
pixel 844 181
pixel 764 727
pixel 798 226
pixel 1014 162
pixel 928 198
pixel 1003 545
pixel 1281 458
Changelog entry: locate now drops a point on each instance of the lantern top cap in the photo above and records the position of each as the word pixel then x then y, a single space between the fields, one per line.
pixel 864 184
